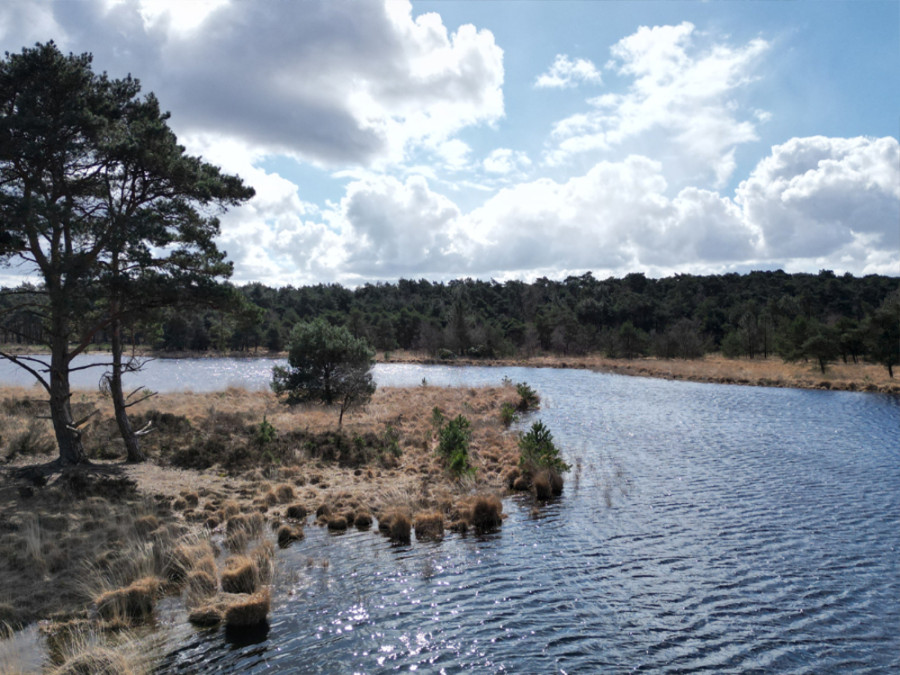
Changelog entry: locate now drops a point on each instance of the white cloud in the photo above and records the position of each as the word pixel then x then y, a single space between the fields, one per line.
pixel 504 161
pixel 814 203
pixel 333 82
pixel 825 197
pixel 679 104
pixel 565 73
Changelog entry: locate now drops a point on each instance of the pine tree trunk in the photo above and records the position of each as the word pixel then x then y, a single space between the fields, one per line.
pixel 132 446
pixel 68 439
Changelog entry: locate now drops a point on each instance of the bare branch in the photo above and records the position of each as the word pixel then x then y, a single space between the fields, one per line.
pixel 19 362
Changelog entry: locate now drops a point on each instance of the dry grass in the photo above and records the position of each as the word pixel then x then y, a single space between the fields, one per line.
pixel 429 525
pixel 241 575
pixel 133 603
pixel 249 610
pixel 101 536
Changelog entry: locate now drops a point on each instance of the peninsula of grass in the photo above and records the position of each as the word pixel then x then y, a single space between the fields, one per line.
pixel 232 476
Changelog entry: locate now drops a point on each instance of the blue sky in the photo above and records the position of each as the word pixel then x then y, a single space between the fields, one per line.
pixel 516 139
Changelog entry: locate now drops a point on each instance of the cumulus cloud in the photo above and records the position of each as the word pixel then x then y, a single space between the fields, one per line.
pixel 812 203
pixel 680 100
pixel 565 73
pixel 819 196
pixel 330 81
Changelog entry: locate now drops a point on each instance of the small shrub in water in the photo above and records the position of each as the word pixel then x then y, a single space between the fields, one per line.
pixel 537 451
pixel 508 414
pixel 528 397
pixel 296 511
pixel 288 534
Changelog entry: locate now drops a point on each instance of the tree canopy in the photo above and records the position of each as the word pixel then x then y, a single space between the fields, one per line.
pixel 101 203
pixel 326 364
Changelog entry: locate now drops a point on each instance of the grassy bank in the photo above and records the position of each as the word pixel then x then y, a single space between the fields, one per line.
pixel 232 475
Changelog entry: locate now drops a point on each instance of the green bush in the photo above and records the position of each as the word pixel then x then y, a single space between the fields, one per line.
pixel 537 451
pixel 508 414
pixel 528 397
pixel 453 445
pixel 265 433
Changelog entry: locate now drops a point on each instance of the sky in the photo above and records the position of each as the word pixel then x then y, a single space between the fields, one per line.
pixel 515 139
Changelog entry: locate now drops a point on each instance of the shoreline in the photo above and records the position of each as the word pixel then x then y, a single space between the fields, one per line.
pixel 711 368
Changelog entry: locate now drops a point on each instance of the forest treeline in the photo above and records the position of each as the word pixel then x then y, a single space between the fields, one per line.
pixel 797 316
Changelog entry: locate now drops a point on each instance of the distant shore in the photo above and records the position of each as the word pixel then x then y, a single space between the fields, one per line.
pixel 714 368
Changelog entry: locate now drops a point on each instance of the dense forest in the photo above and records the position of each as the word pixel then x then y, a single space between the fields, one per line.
pixel 796 316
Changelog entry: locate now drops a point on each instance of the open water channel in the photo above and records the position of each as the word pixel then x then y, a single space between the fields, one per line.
pixel 704 528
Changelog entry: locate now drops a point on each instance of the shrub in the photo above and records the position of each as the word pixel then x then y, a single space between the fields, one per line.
pixel 537 451
pixel 201 584
pixel 206 616
pixel 508 414
pixel 396 525
pixel 453 445
pixel 284 492
pixel 296 511
pixel 528 397
pixel 338 523
pixel 265 433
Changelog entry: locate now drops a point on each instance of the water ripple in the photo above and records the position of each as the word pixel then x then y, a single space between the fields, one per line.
pixel 709 529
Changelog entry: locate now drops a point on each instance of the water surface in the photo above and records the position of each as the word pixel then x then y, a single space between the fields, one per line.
pixel 704 528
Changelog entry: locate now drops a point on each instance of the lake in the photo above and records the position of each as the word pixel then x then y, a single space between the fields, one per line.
pixel 703 528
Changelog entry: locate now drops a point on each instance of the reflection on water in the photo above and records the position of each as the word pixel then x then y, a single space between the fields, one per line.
pixel 703 528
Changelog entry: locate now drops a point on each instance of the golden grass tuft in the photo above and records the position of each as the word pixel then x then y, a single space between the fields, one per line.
pixel 97 661
pixel 284 493
pixel 541 485
pixel 134 603
pixel 337 523
pixel 396 524
pixel 146 525
pixel 486 513
pixel 296 512
pixel 429 525
pixel 288 534
pixel 206 616
pixel 201 584
pixel 241 575
pixel 363 520
pixel 248 611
